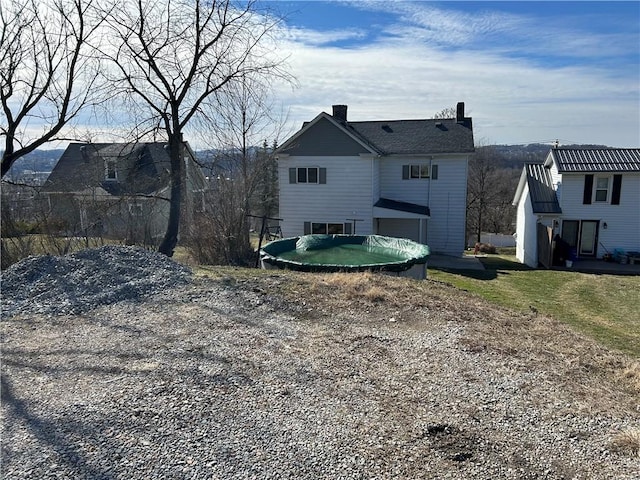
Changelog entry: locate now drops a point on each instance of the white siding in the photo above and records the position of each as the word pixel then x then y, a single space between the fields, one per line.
pixel 446 197
pixel 623 220
pixel 448 206
pixel 526 239
pixel 347 194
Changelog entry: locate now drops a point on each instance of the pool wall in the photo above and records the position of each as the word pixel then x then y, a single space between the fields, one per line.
pixel 410 261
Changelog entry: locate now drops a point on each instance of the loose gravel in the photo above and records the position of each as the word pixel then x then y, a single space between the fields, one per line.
pixel 171 376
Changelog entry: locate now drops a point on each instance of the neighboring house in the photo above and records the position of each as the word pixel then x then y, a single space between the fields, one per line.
pixel 590 198
pixel 119 190
pixel 400 178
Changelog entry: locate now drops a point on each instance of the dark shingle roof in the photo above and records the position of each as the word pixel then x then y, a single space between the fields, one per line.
pixel 402 206
pixel 570 160
pixel 543 196
pixel 143 168
pixel 416 136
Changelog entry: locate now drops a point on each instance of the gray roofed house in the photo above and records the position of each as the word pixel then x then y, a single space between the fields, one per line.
pixel 119 190
pixel 587 199
pixel 401 178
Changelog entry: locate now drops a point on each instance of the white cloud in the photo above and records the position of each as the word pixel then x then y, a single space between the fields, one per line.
pixel 512 99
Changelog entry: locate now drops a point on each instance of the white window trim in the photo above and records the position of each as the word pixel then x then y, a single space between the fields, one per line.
pixel 420 167
pixel 317 169
pixel 596 189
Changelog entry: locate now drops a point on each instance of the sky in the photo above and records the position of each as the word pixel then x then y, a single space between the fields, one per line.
pixel 528 72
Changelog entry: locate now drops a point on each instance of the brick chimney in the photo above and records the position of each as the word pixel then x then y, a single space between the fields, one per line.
pixel 460 112
pixel 340 112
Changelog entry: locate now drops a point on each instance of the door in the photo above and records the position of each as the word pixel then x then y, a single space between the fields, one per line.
pixel 588 238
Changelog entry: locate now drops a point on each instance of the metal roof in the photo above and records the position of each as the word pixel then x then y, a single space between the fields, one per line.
pixel 543 196
pixel 569 160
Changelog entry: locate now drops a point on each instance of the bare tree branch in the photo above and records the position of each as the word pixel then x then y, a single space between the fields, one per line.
pixel 47 75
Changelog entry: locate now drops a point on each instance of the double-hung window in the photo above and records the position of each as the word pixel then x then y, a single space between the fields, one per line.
pixel 418 171
pixel 110 170
pixel 308 175
pixel 602 189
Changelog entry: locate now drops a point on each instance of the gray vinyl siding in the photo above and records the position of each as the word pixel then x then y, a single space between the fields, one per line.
pixel 402 228
pixel 347 194
pixel 324 139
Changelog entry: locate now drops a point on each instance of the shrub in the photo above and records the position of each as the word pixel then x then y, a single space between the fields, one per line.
pixel 485 248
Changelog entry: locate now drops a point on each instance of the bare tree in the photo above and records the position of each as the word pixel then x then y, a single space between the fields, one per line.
pixel 47 75
pixel 489 193
pixel 175 55
pixel 445 114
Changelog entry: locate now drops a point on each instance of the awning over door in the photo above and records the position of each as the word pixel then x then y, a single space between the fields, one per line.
pixel 386 208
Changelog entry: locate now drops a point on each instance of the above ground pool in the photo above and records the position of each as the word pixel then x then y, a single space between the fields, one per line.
pixel 338 253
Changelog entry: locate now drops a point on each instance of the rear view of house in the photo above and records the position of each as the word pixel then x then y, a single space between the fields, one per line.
pixel 590 198
pixel 118 190
pixel 399 178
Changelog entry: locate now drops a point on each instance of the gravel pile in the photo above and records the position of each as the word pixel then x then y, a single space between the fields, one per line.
pixel 75 283
pixel 223 379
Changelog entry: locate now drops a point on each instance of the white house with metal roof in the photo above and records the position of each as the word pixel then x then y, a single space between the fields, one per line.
pixel 400 178
pixel 586 199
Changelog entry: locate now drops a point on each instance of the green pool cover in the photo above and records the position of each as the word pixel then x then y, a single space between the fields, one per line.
pixel 334 253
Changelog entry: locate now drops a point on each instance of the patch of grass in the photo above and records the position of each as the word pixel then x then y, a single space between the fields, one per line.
pixel 604 307
pixel 627 441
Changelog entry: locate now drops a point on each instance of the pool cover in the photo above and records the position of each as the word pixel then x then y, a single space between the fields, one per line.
pixel 336 253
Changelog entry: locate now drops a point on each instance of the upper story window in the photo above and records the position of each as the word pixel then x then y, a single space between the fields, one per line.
pixel 417 171
pixel 308 175
pixel 110 170
pixel 602 189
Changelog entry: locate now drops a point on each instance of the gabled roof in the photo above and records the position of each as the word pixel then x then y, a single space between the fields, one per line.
pixel 293 143
pixel 569 160
pixel 394 137
pixel 142 168
pixel 543 197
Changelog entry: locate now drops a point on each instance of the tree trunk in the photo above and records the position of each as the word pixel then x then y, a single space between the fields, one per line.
pixel 170 239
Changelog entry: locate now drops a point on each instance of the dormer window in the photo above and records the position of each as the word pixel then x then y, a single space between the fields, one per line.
pixel 110 170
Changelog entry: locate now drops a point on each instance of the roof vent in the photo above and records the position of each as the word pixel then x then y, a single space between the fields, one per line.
pixel 387 128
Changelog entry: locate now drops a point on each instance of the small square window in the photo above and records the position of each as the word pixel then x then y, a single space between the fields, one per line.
pixel 415 171
pixel 424 171
pixel 312 175
pixel 302 175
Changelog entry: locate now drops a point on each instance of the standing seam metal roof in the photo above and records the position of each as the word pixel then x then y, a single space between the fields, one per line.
pixel 570 160
pixel 543 196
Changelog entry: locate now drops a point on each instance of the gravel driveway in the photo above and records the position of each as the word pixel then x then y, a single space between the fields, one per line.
pixel 223 379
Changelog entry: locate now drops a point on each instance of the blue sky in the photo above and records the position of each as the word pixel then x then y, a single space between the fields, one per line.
pixel 527 71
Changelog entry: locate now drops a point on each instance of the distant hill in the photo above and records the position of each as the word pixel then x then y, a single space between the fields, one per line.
pixel 36 161
pixel 507 156
pixel 515 156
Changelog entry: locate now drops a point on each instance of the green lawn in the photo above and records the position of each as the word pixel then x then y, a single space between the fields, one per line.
pixel 605 307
